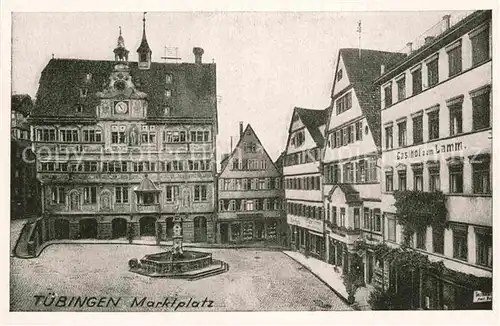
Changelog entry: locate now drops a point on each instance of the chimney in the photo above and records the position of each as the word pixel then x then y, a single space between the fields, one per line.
pixel 409 45
pixel 428 39
pixel 446 20
pixel 198 53
pixel 382 69
pixel 241 128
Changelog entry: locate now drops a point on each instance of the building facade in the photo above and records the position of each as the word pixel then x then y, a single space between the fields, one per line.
pixel 303 181
pixel 436 138
pixel 350 164
pixel 251 195
pixel 24 187
pixel 122 146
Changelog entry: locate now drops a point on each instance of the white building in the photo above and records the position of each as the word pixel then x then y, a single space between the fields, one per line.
pixel 436 136
pixel 351 186
pixel 303 181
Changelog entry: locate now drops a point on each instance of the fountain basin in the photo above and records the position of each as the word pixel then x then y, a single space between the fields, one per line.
pixel 191 265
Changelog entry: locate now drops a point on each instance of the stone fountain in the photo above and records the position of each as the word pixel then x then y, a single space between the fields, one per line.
pixel 177 262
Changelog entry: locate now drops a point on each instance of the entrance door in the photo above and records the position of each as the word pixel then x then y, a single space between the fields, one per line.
pixel 61 227
pixel 88 228
pixel 118 228
pixel 259 229
pixel 224 232
pixel 200 229
pixel 148 226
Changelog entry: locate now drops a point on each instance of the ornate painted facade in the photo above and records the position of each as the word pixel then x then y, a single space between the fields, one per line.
pixel 122 147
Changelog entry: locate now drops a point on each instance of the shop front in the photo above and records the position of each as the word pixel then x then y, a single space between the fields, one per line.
pixel 307 236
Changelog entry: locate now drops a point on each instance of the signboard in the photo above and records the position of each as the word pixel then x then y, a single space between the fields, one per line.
pixel 307 223
pixel 480 297
pixel 430 150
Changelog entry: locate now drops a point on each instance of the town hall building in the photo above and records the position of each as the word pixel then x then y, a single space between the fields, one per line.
pixel 123 146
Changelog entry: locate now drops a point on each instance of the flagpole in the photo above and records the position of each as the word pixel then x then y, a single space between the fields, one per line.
pixel 359 38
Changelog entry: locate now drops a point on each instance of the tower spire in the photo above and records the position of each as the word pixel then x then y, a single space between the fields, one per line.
pixel 144 51
pixel 121 52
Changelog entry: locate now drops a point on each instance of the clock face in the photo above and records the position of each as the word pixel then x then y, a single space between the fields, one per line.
pixel 121 107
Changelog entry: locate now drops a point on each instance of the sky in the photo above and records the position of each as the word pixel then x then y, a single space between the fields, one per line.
pixel 267 62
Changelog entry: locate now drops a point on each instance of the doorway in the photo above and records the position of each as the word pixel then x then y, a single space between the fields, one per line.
pixel 147 226
pixel 88 228
pixel 200 229
pixel 61 228
pixel 224 232
pixel 118 228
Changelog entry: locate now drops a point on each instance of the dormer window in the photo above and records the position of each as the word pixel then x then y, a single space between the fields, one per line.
pixel 83 92
pixel 167 111
pixel 169 78
pixel 79 108
pixel 88 77
pixel 168 93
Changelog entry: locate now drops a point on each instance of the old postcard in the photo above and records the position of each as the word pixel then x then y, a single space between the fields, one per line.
pixel 238 161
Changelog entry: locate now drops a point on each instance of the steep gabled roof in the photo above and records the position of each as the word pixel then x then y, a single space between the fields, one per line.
pixel 362 71
pixel 351 194
pixel 193 88
pixel 225 161
pixel 312 120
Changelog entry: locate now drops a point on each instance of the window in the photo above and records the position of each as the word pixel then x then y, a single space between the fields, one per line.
pixel 90 195
pixel 249 205
pixel 200 193
pixel 366 219
pixel 480 41
pixel 418 130
pixel 432 73
pixel 339 74
pixel 433 124
pixel 401 84
pixel 200 136
pixel 361 171
pixel 92 136
pixel 58 195
pixel 456 179
pixel 79 108
pixel 402 134
pixel 460 242
pixel 348 172
pixel 484 247
pixel 402 180
pixel 455 60
pixel 250 147
pixel 388 138
pixel 171 193
pixel 421 238
pixel 350 131
pixel 83 92
pixel 150 137
pixel 388 96
pixel 359 130
pixel 335 173
pixel 45 134
pixel 391 228
pixel 167 110
pixel 481 178
pixel 342 217
pixel 297 138
pixel 455 119
pixel 118 137
pixel 434 180
pixel 438 240
pixel 481 109
pixel 68 135
pixel 121 195
pixel 338 138
pixel 168 78
pixel 377 222
pixel 334 215
pixel 345 136
pixel 168 93
pixel 344 103
pixel 89 166
pixel 389 181
pixel 356 218
pixel 416 77
pixel 418 179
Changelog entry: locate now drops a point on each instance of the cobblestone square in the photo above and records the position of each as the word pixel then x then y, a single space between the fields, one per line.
pixel 257 281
